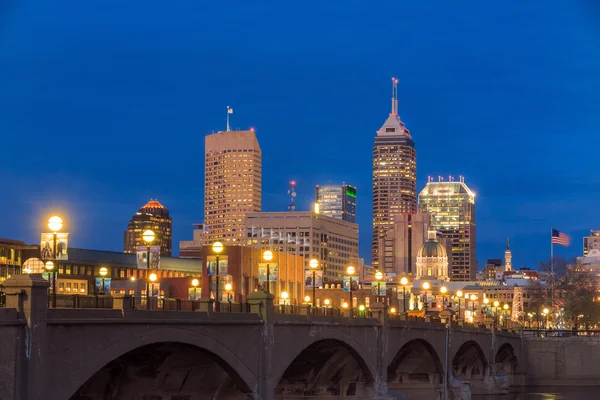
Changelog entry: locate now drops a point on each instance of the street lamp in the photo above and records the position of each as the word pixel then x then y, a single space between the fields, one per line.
pixel 103 272
pixel 361 308
pixel 306 299
pixel 443 290
pixel 473 298
pixel 379 277
pixel 486 301
pixel 326 302
pixel 195 283
pixel 49 267
pixel 151 278
pixel 545 312
pixel 459 294
pixel 284 296
pixel 217 247
pixel 404 282
pixel 505 307
pixel 55 224
pixel 350 271
pixel 268 256
pixel 313 264
pixel 228 288
pixel 393 310
pixel 148 237
pixel 426 286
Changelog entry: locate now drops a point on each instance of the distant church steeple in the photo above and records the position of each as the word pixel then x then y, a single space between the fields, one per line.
pixel 508 256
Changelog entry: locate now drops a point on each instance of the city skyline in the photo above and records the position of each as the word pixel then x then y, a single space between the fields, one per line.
pixel 458 93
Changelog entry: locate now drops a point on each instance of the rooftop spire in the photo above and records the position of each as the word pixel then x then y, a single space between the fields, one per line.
pixel 507 244
pixel 229 111
pixel 394 96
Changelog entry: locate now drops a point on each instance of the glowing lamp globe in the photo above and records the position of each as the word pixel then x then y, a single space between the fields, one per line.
pixel 148 236
pixel 103 271
pixel 268 255
pixel 195 282
pixel 378 275
pixel 55 223
pixel 350 270
pixel 314 263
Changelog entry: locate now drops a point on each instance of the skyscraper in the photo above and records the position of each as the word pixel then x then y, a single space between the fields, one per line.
pixel 153 216
pixel 394 174
pixel 232 184
pixel 401 242
pixel 337 201
pixel 452 208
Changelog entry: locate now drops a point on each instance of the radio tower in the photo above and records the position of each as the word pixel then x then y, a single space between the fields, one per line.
pixel 292 192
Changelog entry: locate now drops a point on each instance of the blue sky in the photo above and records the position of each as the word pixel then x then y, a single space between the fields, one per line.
pixel 104 104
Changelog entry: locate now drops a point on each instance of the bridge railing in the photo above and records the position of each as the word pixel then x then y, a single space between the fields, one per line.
pixel 556 333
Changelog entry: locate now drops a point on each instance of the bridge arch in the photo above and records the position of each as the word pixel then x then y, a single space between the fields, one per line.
pixel 469 361
pixel 327 366
pixel 416 362
pixel 505 359
pixel 240 374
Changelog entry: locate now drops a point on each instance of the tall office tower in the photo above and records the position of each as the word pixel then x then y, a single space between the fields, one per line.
pixel 452 208
pixel 394 174
pixel 400 244
pixel 591 242
pixel 153 216
pixel 508 257
pixel 337 201
pixel 232 184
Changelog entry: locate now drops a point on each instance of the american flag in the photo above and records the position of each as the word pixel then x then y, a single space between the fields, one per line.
pixel 560 238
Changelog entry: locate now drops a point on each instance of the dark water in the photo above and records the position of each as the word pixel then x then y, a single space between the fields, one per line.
pixel 546 393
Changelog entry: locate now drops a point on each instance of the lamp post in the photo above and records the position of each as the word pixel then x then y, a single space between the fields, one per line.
pixel 443 291
pixel 148 237
pixel 306 299
pixel 103 272
pixel 55 224
pixel 459 294
pixel 505 307
pixel 284 296
pixel 228 288
pixel 49 267
pixel 496 304
pixel 426 287
pixel 350 271
pixel 217 248
pixel 486 301
pixel 151 278
pixel 404 282
pixel 195 283
pixel 268 256
pixel 313 264
pixel 473 298
pixel 546 311
pixel 379 277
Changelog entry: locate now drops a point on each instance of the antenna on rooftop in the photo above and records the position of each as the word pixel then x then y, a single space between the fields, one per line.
pixel 292 193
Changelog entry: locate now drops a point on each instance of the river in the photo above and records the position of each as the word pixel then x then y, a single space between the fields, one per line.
pixel 548 393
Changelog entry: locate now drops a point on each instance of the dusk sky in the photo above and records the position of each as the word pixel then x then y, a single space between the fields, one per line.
pixel 105 104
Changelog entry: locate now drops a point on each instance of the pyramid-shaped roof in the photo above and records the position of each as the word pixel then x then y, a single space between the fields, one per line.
pixel 393 126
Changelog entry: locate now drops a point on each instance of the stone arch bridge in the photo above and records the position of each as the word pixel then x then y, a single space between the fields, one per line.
pixel 59 354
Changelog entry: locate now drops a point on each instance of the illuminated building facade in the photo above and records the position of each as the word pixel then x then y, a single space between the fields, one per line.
pixel 432 259
pixel 394 175
pixel 310 235
pixel 401 242
pixel 193 248
pixel 152 216
pixel 337 201
pixel 591 242
pixel 452 209
pixel 11 258
pixel 232 184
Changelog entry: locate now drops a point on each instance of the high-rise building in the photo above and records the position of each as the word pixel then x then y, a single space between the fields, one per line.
pixel 394 174
pixel 152 216
pixel 232 184
pixel 331 241
pixel 452 208
pixel 337 201
pixel 401 242
pixel 591 242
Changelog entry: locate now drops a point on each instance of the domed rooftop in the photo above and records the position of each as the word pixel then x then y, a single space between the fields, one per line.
pixel 153 204
pixel 432 248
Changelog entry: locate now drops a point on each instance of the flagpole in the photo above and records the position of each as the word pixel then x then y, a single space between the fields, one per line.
pixel 552 268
